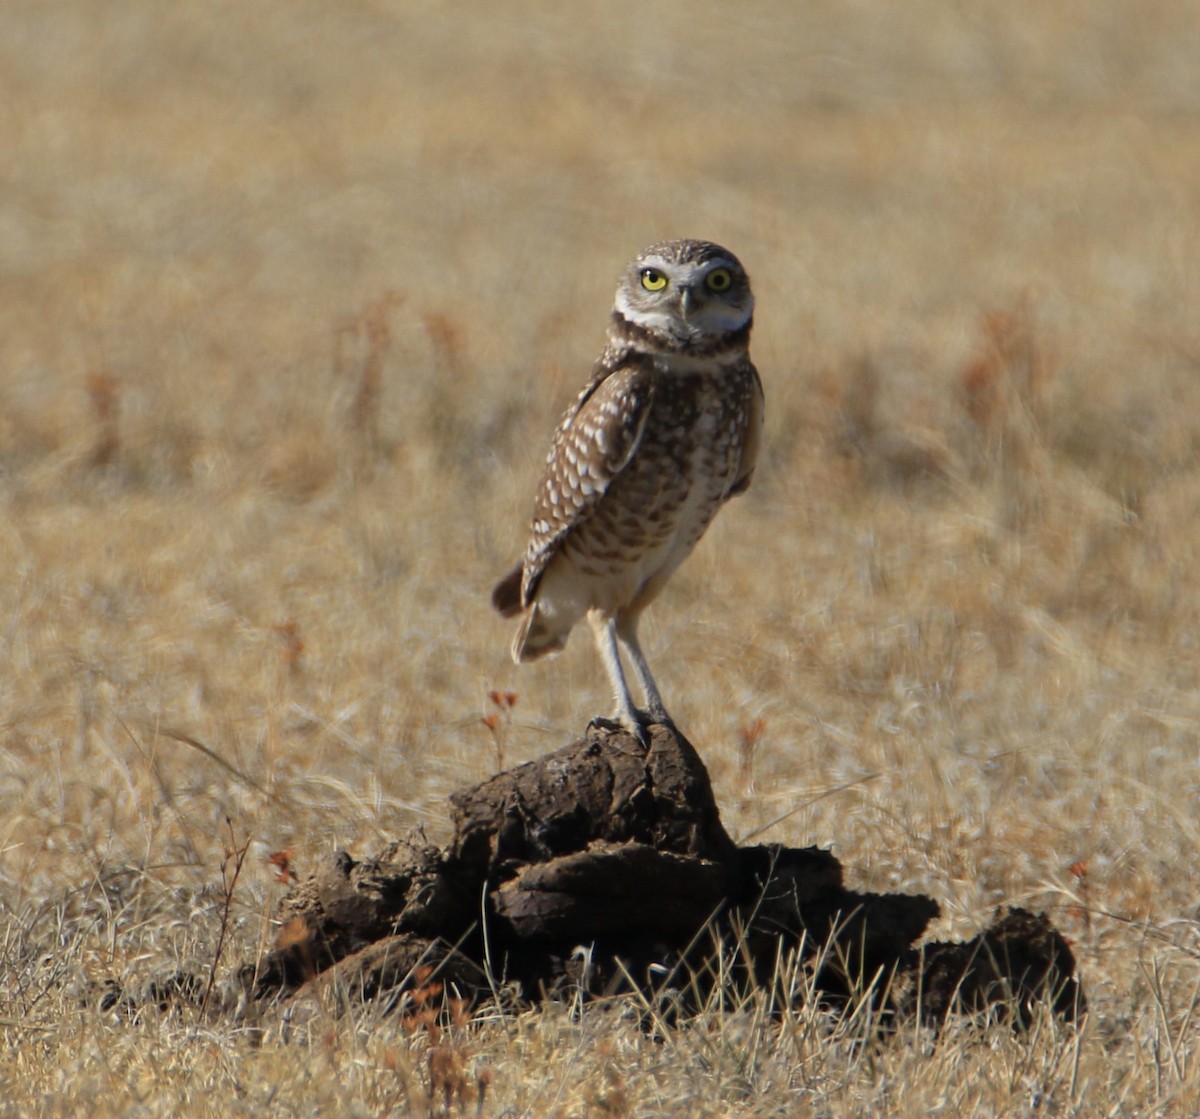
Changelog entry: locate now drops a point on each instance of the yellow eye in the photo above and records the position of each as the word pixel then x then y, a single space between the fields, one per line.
pixel 653 279
pixel 719 279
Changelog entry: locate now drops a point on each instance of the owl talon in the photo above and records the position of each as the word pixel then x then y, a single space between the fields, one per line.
pixel 649 719
pixel 621 726
pixel 599 722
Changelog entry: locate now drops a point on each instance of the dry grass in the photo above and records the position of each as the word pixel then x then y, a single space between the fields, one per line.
pixel 290 295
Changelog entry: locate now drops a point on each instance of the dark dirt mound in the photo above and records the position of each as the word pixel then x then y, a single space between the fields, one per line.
pixel 604 864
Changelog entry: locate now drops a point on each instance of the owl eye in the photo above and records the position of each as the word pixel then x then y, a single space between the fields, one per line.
pixel 653 279
pixel 719 279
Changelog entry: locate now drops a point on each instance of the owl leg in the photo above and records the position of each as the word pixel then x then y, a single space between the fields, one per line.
pixel 627 632
pixel 604 628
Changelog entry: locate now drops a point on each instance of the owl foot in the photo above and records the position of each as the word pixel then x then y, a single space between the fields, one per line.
pixel 637 728
pixel 656 716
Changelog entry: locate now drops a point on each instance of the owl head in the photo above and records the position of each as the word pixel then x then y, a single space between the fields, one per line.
pixel 692 293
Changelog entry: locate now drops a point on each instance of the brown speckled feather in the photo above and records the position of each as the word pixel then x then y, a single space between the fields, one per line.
pixel 595 441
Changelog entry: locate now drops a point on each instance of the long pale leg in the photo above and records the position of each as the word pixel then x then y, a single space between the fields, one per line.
pixel 627 632
pixel 604 629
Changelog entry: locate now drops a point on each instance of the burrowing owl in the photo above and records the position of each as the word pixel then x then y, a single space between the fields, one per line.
pixel 666 430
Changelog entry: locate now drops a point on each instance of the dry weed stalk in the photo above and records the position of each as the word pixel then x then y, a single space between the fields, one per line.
pixel 499 722
pixel 431 1013
pixel 447 339
pixel 1002 391
pixel 748 739
pixel 232 862
pixel 292 646
pixel 1003 386
pixel 370 333
pixel 1079 870
pixel 104 392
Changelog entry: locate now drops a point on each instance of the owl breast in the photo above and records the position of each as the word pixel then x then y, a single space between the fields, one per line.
pixel 658 508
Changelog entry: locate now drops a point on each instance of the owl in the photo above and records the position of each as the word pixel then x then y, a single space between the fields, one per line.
pixel 666 430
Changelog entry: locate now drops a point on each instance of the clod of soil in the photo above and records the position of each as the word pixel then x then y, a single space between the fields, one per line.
pixel 605 863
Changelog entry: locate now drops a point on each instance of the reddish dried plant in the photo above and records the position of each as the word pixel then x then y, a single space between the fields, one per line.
pixel 497 722
pixel 1009 370
pixel 441 1019
pixel 369 335
pixel 281 863
pixel 231 870
pixel 104 392
pixel 1079 871
pixel 748 746
pixel 293 933
pixel 446 337
pixel 296 938
pixel 291 644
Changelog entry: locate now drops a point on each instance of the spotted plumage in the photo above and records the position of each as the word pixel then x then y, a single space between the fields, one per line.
pixel 665 431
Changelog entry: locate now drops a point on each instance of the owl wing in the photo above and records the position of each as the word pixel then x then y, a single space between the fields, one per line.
pixel 754 426
pixel 595 441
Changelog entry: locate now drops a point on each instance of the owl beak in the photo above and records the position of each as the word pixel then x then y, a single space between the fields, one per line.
pixel 687 302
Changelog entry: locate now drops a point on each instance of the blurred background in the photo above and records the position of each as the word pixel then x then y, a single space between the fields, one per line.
pixel 292 294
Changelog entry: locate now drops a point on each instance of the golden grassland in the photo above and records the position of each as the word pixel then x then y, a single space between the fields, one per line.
pixel 291 295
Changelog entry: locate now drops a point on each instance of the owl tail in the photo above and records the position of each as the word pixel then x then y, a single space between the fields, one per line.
pixel 506 594
pixel 539 636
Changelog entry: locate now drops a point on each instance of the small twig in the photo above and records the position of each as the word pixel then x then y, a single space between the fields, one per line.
pixel 498 722
pixel 212 755
pixel 231 870
pixel 807 803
